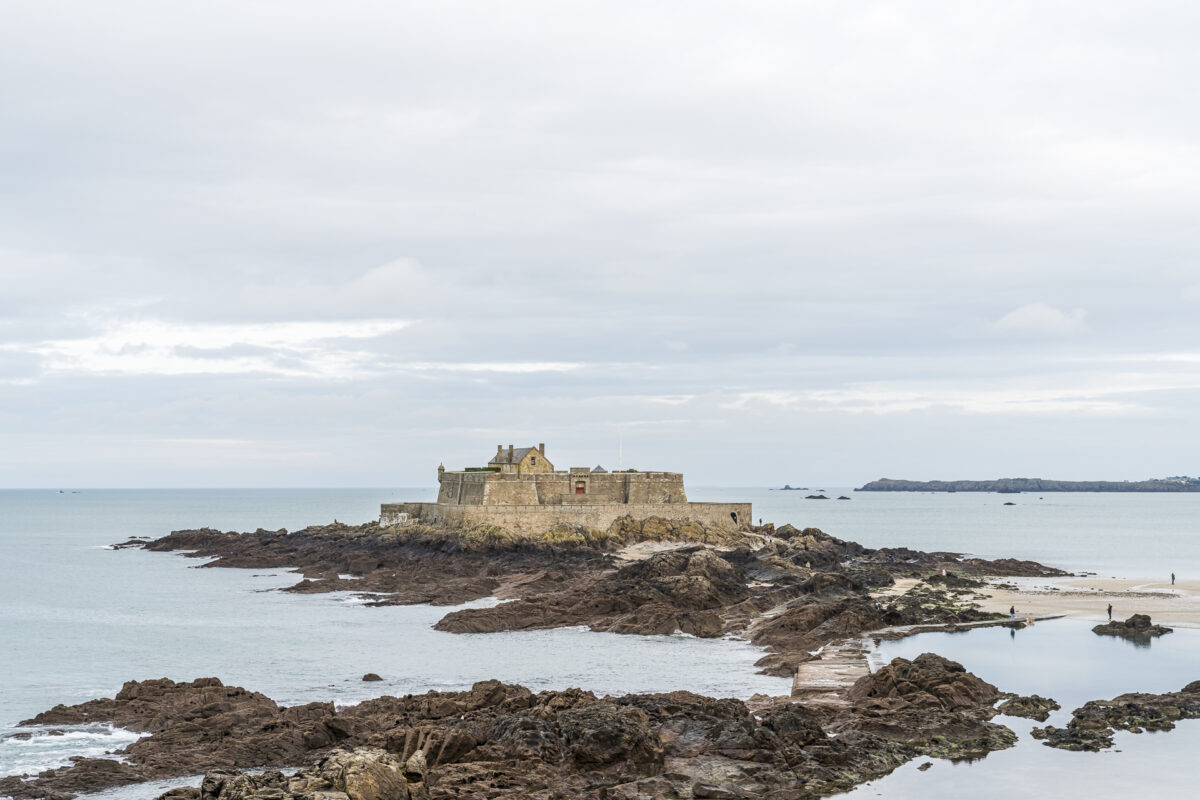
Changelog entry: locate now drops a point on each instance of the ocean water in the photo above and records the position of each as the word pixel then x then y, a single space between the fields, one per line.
pixel 77 619
pixel 1122 535
pixel 1064 660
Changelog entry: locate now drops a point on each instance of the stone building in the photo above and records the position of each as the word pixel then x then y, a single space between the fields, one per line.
pixel 521 460
pixel 519 489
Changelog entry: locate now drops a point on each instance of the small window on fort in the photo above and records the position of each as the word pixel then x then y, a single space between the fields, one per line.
pixel 579 487
pixel 533 461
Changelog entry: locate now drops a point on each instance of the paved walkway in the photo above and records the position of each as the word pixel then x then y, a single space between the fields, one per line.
pixel 827 677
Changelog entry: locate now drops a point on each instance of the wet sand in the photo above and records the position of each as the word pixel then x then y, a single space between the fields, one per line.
pixel 1088 598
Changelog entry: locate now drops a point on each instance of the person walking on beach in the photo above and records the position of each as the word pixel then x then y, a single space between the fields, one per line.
pixel 1012 612
pixel 1110 612
pixel 1172 578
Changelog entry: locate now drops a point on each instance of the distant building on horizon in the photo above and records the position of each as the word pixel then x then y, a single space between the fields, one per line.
pixel 520 490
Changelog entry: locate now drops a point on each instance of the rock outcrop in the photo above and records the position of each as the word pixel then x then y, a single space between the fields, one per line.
pixel 1093 724
pixel 933 705
pixel 1031 707
pixel 678 590
pixel 1137 628
pixel 503 741
pixel 364 773
pixel 194 727
pixel 1076 739
pixel 795 591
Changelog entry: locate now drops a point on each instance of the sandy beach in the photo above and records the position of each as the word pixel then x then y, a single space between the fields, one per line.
pixel 1088 598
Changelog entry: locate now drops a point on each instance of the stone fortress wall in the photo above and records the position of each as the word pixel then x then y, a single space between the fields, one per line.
pixel 559 488
pixel 520 490
pixel 534 519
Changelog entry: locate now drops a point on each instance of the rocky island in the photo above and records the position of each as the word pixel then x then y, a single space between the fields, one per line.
pixel 1181 483
pixel 655 564
pixel 787 590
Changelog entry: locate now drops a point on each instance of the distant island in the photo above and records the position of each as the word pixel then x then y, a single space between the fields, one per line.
pixel 1179 483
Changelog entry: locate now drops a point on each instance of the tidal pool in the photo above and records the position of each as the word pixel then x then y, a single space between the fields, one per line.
pixel 1064 660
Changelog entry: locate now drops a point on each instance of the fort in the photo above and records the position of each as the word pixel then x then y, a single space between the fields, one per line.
pixel 520 490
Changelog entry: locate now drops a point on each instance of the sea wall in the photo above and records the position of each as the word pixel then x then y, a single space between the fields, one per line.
pixel 559 488
pixel 534 519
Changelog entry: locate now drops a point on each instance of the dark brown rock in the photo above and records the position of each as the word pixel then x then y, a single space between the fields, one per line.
pixel 1076 739
pixel 929 681
pixel 503 741
pixel 933 705
pixel 1138 628
pixel 1092 724
pixel 677 590
pixel 1031 707
pixel 570 580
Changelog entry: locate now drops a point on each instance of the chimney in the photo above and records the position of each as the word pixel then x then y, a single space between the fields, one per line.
pixel 510 449
pixel 499 452
pixel 542 448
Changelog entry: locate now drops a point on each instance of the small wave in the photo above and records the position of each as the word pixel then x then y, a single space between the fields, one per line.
pixel 356 599
pixel 52 746
pixel 482 602
pixel 140 791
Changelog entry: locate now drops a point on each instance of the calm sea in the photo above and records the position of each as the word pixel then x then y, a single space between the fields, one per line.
pixel 1064 660
pixel 78 619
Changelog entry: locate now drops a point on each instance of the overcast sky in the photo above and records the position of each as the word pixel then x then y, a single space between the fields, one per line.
pixel 334 244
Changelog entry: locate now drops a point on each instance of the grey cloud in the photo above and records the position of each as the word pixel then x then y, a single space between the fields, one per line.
pixel 792 228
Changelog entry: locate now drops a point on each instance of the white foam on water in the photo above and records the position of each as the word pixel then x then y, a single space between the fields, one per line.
pixel 482 602
pixel 53 746
pixel 142 791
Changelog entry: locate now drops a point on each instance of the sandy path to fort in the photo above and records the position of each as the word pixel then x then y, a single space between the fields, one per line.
pixel 1088 598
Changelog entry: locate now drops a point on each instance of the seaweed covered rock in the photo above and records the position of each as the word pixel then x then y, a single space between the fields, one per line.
pixel 931 704
pixel 626 529
pixel 1092 725
pixel 1031 707
pixel 1076 739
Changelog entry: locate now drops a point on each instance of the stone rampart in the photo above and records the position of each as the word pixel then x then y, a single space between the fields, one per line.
pixel 535 519
pixel 557 488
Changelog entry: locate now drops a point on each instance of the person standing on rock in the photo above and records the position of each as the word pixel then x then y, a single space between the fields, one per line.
pixel 1110 612
pixel 1012 612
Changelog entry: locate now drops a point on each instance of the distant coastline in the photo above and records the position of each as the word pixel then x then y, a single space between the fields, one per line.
pixel 1013 485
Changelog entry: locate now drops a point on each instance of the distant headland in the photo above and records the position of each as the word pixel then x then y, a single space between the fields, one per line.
pixel 1180 483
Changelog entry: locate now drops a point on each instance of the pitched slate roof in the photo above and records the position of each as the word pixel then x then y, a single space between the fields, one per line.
pixel 518 454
